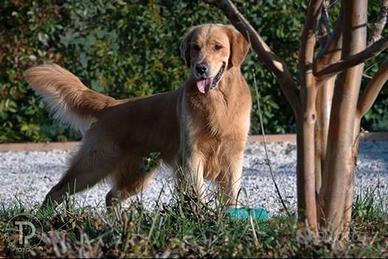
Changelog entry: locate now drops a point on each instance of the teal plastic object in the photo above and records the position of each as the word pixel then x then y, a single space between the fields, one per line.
pixel 245 213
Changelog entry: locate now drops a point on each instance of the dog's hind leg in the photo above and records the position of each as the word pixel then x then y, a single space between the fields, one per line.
pixel 86 169
pixel 129 178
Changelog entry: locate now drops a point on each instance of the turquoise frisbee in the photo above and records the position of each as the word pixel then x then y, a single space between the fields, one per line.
pixel 246 213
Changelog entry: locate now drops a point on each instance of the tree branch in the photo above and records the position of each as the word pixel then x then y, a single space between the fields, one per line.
pixel 380 23
pixel 332 51
pixel 324 22
pixel 263 51
pixel 372 90
pixel 309 39
pixel 370 52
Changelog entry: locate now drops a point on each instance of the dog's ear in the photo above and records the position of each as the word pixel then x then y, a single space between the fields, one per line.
pixel 185 46
pixel 239 46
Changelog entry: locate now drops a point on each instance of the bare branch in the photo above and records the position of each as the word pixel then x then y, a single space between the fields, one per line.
pixel 331 52
pixel 309 39
pixel 372 90
pixel 324 23
pixel 380 23
pixel 263 51
pixel 353 60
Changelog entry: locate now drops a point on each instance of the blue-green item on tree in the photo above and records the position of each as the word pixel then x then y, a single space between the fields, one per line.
pixel 244 213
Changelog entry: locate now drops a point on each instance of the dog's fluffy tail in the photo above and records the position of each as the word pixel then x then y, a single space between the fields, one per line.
pixel 67 98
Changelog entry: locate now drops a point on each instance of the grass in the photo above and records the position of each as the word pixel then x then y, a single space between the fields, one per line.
pixel 185 229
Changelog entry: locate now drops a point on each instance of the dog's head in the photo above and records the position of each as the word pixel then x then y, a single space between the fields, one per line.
pixel 210 50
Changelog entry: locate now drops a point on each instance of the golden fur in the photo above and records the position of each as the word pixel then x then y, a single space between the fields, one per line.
pixel 203 125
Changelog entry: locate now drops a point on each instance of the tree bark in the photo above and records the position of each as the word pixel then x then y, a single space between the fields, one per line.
pixel 306 167
pixel 324 103
pixel 364 104
pixel 331 53
pixel 339 164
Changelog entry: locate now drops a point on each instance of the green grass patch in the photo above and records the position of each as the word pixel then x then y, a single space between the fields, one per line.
pixel 182 229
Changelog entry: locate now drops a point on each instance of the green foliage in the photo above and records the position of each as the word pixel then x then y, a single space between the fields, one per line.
pixel 131 48
pixel 29 35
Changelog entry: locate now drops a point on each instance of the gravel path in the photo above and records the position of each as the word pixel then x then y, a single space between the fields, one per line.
pixel 27 176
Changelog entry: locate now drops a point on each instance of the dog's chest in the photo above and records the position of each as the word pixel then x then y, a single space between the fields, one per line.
pixel 211 115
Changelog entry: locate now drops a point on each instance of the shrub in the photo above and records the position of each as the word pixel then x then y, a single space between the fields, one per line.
pixel 130 49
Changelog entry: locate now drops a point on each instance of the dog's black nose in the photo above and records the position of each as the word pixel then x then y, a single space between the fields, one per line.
pixel 201 69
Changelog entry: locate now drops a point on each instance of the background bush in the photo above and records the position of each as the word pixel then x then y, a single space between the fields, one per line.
pixel 130 48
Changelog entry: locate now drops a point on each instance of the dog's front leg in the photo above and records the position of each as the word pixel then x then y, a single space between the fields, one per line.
pixel 231 182
pixel 191 175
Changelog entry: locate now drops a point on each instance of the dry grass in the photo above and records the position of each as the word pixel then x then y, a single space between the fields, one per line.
pixel 186 229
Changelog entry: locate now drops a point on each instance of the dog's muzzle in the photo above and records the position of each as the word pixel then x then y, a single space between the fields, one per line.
pixel 207 84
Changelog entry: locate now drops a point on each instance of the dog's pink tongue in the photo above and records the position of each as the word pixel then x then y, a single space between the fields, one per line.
pixel 204 85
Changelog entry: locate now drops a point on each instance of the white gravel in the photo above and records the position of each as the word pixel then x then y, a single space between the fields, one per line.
pixel 28 176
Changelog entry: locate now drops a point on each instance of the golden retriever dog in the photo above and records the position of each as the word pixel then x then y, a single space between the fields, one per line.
pixel 202 126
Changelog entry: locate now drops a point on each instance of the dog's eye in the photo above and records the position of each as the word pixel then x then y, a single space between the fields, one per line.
pixel 196 47
pixel 218 47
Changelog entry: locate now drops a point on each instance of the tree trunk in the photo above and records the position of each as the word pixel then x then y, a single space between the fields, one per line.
pixel 327 107
pixel 339 164
pixel 306 119
pixel 324 103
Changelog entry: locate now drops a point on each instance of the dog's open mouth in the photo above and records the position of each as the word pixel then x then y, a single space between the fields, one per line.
pixel 209 83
